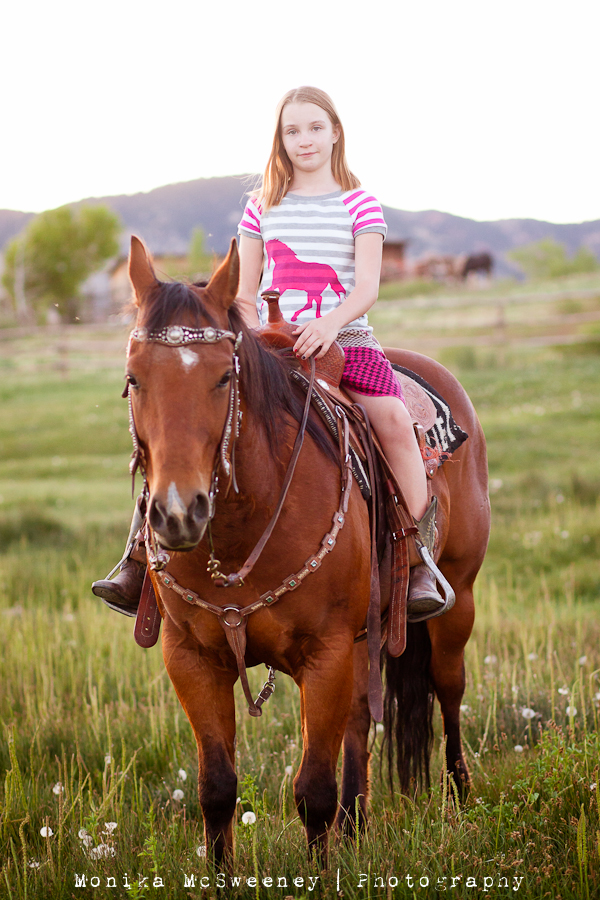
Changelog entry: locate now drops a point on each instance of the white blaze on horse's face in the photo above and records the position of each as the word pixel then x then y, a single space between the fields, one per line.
pixel 188 358
pixel 175 505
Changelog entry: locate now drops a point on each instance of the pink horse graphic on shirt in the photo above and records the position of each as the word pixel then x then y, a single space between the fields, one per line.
pixel 291 273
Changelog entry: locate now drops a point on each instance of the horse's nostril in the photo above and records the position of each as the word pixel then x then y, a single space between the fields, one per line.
pixel 201 509
pixel 156 515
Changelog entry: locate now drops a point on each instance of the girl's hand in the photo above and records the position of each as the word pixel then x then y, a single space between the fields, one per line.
pixel 318 333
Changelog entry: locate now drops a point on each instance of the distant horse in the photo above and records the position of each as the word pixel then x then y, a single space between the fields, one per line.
pixel 291 273
pixel 478 262
pixel 185 355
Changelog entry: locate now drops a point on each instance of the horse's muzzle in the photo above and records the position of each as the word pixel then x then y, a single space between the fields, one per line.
pixel 176 527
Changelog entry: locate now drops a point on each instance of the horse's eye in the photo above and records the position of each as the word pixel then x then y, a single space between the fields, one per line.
pixel 224 381
pixel 131 380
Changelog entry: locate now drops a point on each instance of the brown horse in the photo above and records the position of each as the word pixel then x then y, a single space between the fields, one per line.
pixel 180 367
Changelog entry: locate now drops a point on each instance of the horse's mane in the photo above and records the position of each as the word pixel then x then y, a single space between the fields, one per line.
pixel 261 368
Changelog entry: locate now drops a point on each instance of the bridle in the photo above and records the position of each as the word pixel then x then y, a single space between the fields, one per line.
pixel 180 336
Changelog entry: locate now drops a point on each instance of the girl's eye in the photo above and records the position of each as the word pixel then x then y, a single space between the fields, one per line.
pixel 224 380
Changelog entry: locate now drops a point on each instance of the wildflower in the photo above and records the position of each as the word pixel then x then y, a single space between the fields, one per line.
pixel 582 660
pixel 532 656
pixel 289 770
pixel 248 818
pixel 490 660
pixel 518 748
pixel 102 851
pixel 464 708
pixel 182 775
pixel 107 759
pixel 571 710
pixel 564 691
pixel 201 850
pixel 58 788
pixel 46 831
pixel 109 827
pixel 379 728
pixel 527 713
pixel 178 795
pixel 85 837
pixel 593 786
pixel 33 864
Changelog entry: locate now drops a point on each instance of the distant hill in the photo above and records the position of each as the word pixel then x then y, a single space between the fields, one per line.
pixel 166 216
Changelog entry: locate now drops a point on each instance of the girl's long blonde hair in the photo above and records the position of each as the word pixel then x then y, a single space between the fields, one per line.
pixel 279 169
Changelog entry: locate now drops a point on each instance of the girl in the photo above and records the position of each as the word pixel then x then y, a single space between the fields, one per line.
pixel 317 237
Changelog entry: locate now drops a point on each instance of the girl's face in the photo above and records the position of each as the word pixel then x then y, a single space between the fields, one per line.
pixel 308 136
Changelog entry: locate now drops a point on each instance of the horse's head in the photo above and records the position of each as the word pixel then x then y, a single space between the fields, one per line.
pixel 179 369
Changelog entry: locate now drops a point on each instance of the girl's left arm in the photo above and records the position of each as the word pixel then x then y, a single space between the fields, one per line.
pixel 367 267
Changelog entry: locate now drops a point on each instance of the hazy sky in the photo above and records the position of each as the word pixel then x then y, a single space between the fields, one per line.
pixel 486 110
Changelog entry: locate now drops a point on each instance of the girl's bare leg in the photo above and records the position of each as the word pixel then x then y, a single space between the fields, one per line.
pixel 392 423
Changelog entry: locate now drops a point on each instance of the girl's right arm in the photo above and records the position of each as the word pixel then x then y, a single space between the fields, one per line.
pixel 251 262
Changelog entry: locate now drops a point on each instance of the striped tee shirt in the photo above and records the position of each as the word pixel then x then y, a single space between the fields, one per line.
pixel 309 250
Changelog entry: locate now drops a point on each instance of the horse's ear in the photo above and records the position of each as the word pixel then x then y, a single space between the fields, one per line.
pixel 141 271
pixel 224 283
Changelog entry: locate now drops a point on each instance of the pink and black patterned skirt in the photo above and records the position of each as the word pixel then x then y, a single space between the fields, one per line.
pixel 368 371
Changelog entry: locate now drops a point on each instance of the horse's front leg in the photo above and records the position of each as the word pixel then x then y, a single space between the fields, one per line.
pixel 355 768
pixel 325 695
pixel 205 691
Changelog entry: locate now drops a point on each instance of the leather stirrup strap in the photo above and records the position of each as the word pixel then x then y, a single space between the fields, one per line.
pixel 375 687
pixel 147 620
pixel 396 641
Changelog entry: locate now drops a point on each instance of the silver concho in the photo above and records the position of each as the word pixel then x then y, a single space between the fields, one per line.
pixel 174 334
pixel 210 335
pixel 140 334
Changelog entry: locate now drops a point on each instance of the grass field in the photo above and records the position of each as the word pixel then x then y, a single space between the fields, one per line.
pixel 92 733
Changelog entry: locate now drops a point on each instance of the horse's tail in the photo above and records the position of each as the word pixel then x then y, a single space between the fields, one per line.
pixel 408 711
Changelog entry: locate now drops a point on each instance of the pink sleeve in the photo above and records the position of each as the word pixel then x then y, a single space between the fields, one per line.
pixel 365 212
pixel 250 221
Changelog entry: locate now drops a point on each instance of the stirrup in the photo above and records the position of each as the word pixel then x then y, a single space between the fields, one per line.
pixel 449 595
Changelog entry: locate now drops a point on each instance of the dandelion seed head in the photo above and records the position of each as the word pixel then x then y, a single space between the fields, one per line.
pixel 532 656
pixel 571 710
pixel 379 728
pixel 33 864
pixel 582 660
pixel 593 786
pixel 102 851
pixel 490 660
pixel 109 827
pixel 248 818
pixel 46 831
pixel 107 759
pixel 289 770
pixel 201 850
pixel 181 775
pixel 58 788
pixel 518 748
pixel 178 794
pixel 564 691
pixel 560 498
pixel 527 713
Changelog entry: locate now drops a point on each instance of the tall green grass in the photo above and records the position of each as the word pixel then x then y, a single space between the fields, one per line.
pixel 92 733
